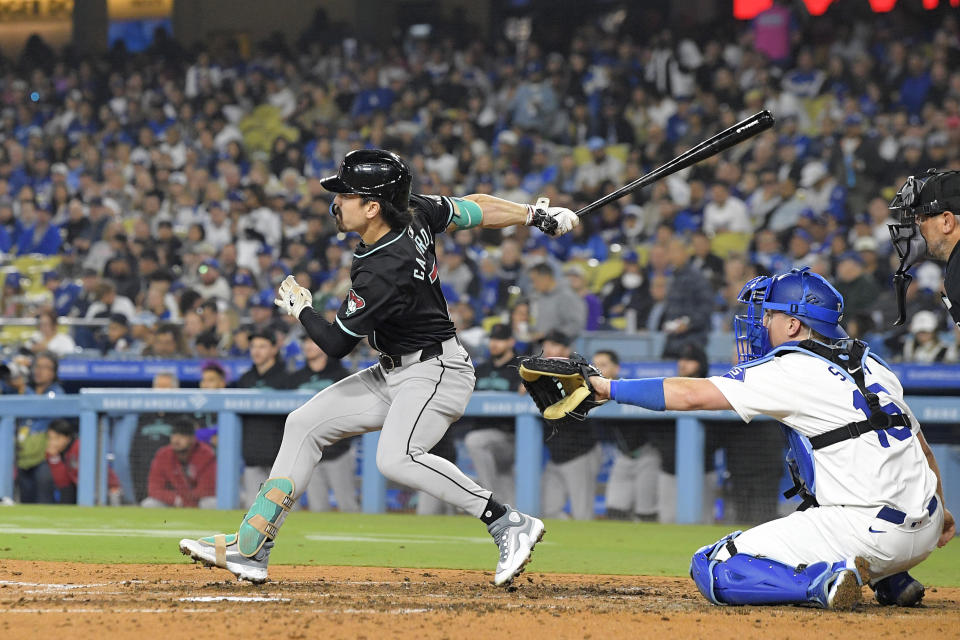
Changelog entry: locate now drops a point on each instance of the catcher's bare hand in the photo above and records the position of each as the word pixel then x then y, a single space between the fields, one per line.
pixel 601 387
pixel 949 528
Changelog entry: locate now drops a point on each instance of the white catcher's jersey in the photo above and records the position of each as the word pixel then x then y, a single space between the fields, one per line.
pixel 812 396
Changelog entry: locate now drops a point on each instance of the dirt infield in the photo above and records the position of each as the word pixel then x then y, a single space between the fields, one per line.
pixel 61 600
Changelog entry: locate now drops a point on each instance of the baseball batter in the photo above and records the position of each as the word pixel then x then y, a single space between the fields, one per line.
pixel 424 377
pixel 857 453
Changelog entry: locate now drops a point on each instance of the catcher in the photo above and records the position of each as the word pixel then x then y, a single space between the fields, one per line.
pixel 856 451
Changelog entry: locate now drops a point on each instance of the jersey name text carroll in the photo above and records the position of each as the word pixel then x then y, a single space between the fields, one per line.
pixel 396 300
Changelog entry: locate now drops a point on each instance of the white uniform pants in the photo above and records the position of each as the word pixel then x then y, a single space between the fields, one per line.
pixel 836 533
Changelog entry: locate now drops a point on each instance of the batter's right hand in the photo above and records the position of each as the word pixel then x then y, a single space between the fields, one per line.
pixel 554 221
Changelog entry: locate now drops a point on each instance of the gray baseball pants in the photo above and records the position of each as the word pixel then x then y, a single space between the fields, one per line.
pixel 412 405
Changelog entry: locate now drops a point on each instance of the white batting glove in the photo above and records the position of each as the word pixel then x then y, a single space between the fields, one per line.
pixel 293 298
pixel 554 221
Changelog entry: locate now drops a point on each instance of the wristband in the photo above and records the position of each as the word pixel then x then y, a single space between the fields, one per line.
pixel 643 392
pixel 530 211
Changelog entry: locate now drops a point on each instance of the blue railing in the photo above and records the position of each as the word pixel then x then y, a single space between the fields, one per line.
pixel 228 404
pixel 99 372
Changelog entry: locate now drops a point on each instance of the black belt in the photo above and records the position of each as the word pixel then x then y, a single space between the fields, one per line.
pixel 855 430
pixel 895 516
pixel 390 363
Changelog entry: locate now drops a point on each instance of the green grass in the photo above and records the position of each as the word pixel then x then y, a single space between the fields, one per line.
pixel 133 535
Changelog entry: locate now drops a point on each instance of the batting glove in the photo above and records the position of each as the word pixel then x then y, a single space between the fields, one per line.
pixel 554 221
pixel 293 298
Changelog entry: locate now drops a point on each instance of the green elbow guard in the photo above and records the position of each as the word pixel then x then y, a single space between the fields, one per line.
pixel 467 214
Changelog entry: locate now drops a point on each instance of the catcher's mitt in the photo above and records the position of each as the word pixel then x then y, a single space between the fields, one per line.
pixel 560 387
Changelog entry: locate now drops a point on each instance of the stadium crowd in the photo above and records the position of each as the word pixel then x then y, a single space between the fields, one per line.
pixel 166 194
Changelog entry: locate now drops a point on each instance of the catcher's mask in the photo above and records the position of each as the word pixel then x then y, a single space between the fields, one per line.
pixel 929 195
pixel 752 339
pixel 799 293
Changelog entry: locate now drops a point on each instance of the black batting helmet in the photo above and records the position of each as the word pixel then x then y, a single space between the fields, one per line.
pixel 373 172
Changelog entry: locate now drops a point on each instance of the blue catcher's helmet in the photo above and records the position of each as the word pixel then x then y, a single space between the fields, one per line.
pixel 799 293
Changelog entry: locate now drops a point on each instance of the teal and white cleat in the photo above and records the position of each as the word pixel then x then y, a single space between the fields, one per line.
pixel 221 551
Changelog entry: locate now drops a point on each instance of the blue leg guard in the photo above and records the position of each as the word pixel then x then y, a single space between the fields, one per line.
pixel 745 579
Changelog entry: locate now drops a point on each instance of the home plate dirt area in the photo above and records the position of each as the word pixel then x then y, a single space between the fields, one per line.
pixel 71 600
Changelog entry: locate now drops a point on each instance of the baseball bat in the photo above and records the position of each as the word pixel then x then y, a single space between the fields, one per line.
pixel 727 138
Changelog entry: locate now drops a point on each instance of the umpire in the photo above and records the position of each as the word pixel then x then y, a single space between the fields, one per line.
pixel 926 209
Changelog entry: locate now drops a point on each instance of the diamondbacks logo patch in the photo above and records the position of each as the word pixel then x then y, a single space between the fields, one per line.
pixel 354 302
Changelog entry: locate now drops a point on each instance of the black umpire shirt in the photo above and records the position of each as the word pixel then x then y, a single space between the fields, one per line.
pixel 951 284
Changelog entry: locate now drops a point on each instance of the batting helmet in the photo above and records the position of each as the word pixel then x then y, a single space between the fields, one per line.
pixel 373 172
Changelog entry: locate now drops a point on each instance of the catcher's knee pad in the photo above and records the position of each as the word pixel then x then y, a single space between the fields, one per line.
pixel 703 562
pixel 265 516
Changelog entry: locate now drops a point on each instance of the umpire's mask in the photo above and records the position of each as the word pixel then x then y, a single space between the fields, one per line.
pixel 928 195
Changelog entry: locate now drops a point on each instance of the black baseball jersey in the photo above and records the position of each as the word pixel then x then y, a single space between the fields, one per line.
pixel 395 300
pixel 951 284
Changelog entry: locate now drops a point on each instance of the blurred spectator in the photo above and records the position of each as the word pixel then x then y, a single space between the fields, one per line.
pixel 48 337
pixel 184 472
pixel 64 293
pixel 63 460
pixel 554 307
pixel 33 474
pixel 153 432
pixel 860 292
pixel 600 168
pixel 490 441
pixel 725 213
pixel 166 342
pixel 39 234
pixel 924 343
pixel 211 283
pixel 686 315
pixel 628 295
pixel 577 280
pixel 575 456
pixel 108 301
pixel 261 433
pixel 705 261
pixel 336 470
pixel 117 340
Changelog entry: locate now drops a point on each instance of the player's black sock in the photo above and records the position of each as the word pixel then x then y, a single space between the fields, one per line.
pixel 492 511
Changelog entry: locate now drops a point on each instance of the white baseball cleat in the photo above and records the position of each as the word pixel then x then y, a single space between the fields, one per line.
pixel 221 551
pixel 516 534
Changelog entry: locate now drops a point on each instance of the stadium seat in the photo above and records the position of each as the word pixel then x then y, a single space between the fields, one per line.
pixel 606 271
pixel 729 243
